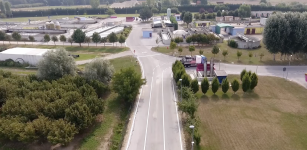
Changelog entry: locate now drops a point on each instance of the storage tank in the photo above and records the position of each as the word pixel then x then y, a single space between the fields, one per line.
pixel 169 11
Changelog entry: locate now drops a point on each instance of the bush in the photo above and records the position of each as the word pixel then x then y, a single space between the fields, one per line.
pixel 186 80
pixel 233 44
pixel 174 21
pixel 235 85
pixel 243 72
pixel 254 81
pixel 205 85
pixel 194 85
pixel 225 85
pixel 215 85
pixel 99 69
pixel 246 83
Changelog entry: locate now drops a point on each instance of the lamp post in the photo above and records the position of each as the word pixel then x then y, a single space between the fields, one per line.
pixel 192 127
pixel 181 88
pixel 290 59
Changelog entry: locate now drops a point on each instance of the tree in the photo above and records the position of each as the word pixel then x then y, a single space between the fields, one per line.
pixel 63 38
pixel 8 8
pixel 62 132
pixel 172 46
pixel 250 55
pixel 239 54
pixel 99 69
pixel 180 50
pixel 187 18
pixel 201 52
pixel 2 36
pixel 246 83
pixel 263 1
pixel 96 38
pixel 186 80
pixel 55 64
pixel 188 106
pixel 78 36
pixel 113 38
pixel 32 39
pixel 185 2
pixel 121 40
pixel 80 115
pixel 191 49
pixel 215 85
pixel 95 3
pixel 219 14
pixel 194 85
pixel 254 81
pixel 70 40
pixel 205 85
pixel 55 39
pixel 225 85
pixel 16 36
pixel 261 55
pixel 235 85
pixel 8 38
pixel 104 40
pixel 215 50
pixel 244 11
pixel 110 11
pixel 243 72
pixel 225 53
pixel 154 10
pixel 204 2
pixel 145 14
pixel 127 83
pixel 182 15
pixel 2 7
pixel 188 40
pixel 46 38
pixel 87 40
pixel 224 13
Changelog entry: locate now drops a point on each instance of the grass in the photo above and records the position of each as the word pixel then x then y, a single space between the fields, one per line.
pixel 113 116
pixel 273 116
pixel 19 71
pixel 232 55
pixel 54 7
pixel 85 57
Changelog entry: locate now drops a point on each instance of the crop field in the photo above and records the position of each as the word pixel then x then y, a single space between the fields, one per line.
pixel 272 117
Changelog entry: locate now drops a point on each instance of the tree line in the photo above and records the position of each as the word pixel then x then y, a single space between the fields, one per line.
pixel 286 33
pixel 5 8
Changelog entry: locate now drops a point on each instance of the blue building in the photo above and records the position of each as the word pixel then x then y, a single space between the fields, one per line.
pixel 147 33
pixel 234 31
pixel 177 17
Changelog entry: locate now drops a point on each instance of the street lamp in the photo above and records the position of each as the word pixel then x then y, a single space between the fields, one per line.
pixel 192 127
pixel 290 59
pixel 181 88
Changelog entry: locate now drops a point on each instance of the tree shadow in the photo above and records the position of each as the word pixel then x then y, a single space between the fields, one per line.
pixel 215 98
pixel 250 96
pixel 204 99
pixel 250 62
pixel 235 97
pixel 225 97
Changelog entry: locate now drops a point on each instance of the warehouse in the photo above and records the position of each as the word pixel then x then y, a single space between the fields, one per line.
pixel 23 55
pixel 254 29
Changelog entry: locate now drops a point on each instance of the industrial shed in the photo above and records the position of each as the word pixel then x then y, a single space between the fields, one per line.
pixel 24 55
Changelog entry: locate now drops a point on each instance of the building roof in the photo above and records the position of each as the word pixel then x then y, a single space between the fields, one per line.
pixel 222 25
pixel 25 51
pixel 220 73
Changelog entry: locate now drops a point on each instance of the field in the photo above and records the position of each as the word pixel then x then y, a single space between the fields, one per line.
pixel 232 55
pixel 272 117
pixel 256 2
pixel 54 7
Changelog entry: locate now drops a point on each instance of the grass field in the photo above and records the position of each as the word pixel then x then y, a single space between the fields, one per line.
pixel 272 117
pixel 232 55
pixel 114 114
pixel 55 7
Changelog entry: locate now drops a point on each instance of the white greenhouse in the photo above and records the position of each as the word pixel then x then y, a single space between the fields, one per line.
pixel 23 55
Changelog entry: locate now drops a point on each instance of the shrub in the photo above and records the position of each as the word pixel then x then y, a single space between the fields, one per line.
pixel 246 82
pixel 194 85
pixel 235 85
pixel 233 44
pixel 243 72
pixel 186 80
pixel 225 85
pixel 215 85
pixel 254 81
pixel 205 85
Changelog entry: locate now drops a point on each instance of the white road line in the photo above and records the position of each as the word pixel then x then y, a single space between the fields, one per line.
pixel 163 112
pixel 177 116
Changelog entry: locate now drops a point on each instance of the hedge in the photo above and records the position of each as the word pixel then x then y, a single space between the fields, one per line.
pixel 174 21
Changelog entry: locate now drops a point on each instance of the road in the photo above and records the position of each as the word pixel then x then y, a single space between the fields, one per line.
pixel 156 125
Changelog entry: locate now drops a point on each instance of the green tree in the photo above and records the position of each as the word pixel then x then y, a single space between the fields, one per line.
pixel 110 11
pixel 246 83
pixel 180 50
pixel 121 40
pixel 250 55
pixel 172 46
pixel 204 2
pixel 95 3
pixel 219 14
pixel 87 40
pixel 99 69
pixel 215 50
pixel 194 85
pixel 239 54
pixel 225 53
pixel 61 132
pixel 154 10
pixel 185 2
pixel 235 85
pixel 215 85
pixel 192 49
pixel 188 106
pixel 16 36
pixel 2 7
pixel 188 40
pixel 254 81
pixel 32 39
pixel 127 83
pixel 63 38
pixel 243 72
pixel 182 14
pixel 8 8
pixel 201 52
pixel 104 40
pixel 78 36
pixel 54 39
pixel 80 115
pixel 145 13
pixel 186 80
pixel 244 11
pixel 70 40
pixel 96 38
pixel 205 85
pixel 187 18
pixel 2 36
pixel 47 38
pixel 113 38
pixel 55 64
pixel 8 38
pixel 224 13
pixel 225 85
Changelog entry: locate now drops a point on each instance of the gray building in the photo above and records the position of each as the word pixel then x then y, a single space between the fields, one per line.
pixel 246 42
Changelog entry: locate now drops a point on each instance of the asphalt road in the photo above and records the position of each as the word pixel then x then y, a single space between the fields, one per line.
pixel 156 125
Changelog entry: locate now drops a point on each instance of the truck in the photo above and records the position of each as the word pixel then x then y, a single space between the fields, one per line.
pixel 188 61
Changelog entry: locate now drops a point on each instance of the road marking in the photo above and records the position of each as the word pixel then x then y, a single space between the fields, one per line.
pixel 163 112
pixel 177 116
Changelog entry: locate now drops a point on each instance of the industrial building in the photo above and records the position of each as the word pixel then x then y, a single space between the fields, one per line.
pixel 234 29
pixel 254 29
pixel 246 42
pixel 202 23
pixel 23 55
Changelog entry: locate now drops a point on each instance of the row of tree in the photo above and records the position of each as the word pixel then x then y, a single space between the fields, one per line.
pixel 5 8
pixel 286 33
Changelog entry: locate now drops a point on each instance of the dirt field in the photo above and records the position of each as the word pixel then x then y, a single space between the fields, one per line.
pixel 273 117
pixel 273 2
